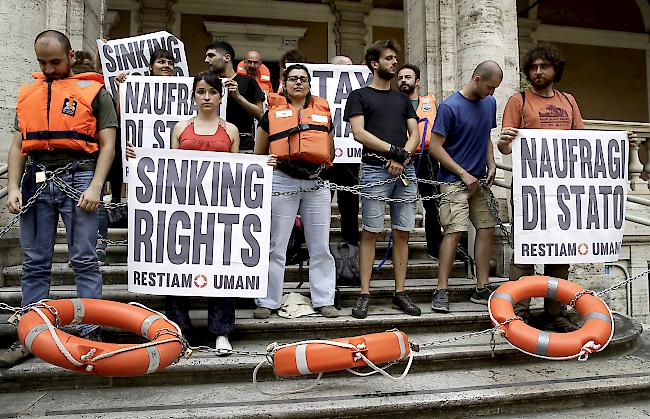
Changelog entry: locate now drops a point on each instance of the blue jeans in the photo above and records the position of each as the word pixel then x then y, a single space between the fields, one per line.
pixel 102 216
pixel 38 231
pixel 402 214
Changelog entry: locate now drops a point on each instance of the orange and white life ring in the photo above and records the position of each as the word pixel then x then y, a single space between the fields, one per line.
pixel 317 356
pixel 593 336
pixel 38 333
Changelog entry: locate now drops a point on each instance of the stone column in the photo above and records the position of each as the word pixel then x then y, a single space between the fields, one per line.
pixel 350 28
pixel 80 20
pixel 156 15
pixel 448 38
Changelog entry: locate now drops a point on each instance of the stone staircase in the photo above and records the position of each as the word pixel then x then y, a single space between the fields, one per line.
pixel 455 378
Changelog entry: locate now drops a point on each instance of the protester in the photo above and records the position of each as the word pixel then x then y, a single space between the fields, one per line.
pixel 253 66
pixel 84 64
pixel 460 141
pixel 161 63
pixel 299 192
pixel 294 56
pixel 384 121
pixel 408 81
pixel 206 132
pixel 346 174
pixel 245 98
pixel 543 67
pixel 82 116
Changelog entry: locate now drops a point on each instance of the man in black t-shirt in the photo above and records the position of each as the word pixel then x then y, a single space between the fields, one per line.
pixel 380 119
pixel 246 99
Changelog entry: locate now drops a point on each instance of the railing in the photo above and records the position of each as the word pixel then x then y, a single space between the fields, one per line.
pixel 3 171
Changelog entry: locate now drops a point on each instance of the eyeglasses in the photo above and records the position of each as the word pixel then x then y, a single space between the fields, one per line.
pixel 294 79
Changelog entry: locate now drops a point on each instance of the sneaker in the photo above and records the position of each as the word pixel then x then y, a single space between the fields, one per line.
pixel 15 355
pixel 262 313
pixel 101 257
pixel 559 323
pixel 360 311
pixel 481 295
pixel 328 311
pixel 402 301
pixel 223 346
pixel 434 257
pixel 440 302
pixel 94 335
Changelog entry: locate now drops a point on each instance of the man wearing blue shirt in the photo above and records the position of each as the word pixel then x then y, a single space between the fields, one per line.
pixel 460 141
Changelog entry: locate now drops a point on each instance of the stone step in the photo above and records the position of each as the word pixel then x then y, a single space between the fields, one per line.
pixel 117 273
pixel 118 253
pixel 449 379
pixel 420 291
pixel 417 235
pixel 381 315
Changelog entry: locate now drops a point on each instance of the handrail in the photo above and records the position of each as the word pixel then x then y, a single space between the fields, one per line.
pixel 630 198
pixel 3 171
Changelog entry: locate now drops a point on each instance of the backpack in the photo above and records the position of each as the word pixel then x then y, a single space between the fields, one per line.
pixel 296 255
pixel 346 258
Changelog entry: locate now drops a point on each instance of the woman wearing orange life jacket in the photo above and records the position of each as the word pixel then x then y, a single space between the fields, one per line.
pixel 298 129
pixel 207 132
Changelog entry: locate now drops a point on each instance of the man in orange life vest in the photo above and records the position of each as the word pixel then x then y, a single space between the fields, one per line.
pixel 63 120
pixel 408 81
pixel 252 66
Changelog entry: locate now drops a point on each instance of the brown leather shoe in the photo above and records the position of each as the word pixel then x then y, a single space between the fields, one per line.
pixel 15 355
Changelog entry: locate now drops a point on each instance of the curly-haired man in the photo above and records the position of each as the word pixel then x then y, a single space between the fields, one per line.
pixel 541 107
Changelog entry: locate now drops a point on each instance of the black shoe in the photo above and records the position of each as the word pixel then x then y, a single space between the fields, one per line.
pixel 94 335
pixel 481 295
pixel 360 311
pixel 402 301
pixel 560 322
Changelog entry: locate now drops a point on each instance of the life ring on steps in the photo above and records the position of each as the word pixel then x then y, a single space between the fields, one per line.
pixel 593 336
pixel 38 332
pixel 319 356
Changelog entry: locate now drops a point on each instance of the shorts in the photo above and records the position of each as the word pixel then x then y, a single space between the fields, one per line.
pixel 402 214
pixel 462 206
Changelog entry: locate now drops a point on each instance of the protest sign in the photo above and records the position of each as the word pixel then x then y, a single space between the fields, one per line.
pixel 132 56
pixel 150 108
pixel 569 192
pixel 199 223
pixel 334 83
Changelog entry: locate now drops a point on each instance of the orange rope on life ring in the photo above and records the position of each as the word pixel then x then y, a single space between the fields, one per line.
pixel 593 336
pixel 38 333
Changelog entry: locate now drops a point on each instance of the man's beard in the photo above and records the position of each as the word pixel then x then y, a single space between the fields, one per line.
pixel 385 74
pixel 541 83
pixel 407 88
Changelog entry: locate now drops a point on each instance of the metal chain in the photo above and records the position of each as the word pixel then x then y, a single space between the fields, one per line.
pixel 202 348
pixel 492 203
pixel 622 283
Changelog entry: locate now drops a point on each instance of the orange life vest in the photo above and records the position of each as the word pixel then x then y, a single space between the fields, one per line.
pixel 426 112
pixel 58 115
pixel 300 134
pixel 263 77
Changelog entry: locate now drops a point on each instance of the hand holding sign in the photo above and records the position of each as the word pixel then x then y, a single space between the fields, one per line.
pixel 569 193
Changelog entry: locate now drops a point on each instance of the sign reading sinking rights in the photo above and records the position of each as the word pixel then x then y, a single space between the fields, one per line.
pixel 132 55
pixel 569 193
pixel 334 83
pixel 199 223
pixel 150 108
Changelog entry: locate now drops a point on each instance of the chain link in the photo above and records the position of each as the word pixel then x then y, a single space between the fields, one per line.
pixel 622 283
